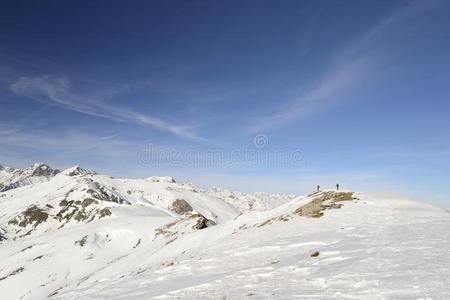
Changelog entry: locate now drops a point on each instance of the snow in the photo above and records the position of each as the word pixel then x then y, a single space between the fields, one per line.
pixel 371 247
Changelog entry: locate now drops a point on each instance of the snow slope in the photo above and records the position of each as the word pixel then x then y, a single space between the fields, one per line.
pixel 150 246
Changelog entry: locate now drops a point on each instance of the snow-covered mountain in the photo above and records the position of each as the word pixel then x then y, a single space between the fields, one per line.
pixel 11 178
pixel 250 202
pixel 77 234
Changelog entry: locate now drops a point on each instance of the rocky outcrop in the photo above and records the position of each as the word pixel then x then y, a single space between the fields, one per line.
pixel 15 272
pixel 323 201
pixel 202 222
pixel 102 193
pixel 315 254
pixel 314 208
pixel 192 222
pixel 82 241
pixel 78 211
pixel 2 235
pixel 31 216
pixel 43 170
pixel 7 187
pixel 75 211
pixel 181 207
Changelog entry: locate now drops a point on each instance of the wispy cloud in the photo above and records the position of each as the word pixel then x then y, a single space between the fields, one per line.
pixel 7 130
pixel 351 65
pixel 69 142
pixel 318 98
pixel 371 37
pixel 59 91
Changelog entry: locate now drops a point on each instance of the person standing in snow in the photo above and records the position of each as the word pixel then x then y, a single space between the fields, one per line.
pixel 337 186
pixel 318 188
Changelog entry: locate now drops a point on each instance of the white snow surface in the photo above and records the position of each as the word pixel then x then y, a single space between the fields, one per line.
pixel 369 248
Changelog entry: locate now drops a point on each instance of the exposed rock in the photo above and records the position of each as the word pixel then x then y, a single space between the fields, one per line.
pixel 183 225
pixel 166 230
pixel 323 201
pixel 202 222
pixel 181 207
pixel 35 215
pixel 32 215
pixel 315 254
pixel 312 209
pixel 82 242
pixel 171 241
pixel 137 244
pixel 283 218
pixel 43 170
pixel 100 192
pixel 2 235
pixel 54 293
pixel 80 216
pixel 63 203
pixel 15 272
pixel 336 196
pixel 26 248
pixel 105 212
pixel 88 201
pixel 14 185
pixel 86 210
pixel 13 221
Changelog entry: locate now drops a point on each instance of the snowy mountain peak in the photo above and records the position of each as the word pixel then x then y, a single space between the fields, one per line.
pixel 14 178
pixel 39 165
pixel 41 169
pixel 77 170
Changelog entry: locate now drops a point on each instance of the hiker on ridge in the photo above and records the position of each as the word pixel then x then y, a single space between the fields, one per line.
pixel 318 188
pixel 337 186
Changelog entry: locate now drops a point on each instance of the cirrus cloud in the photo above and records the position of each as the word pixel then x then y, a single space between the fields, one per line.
pixel 58 90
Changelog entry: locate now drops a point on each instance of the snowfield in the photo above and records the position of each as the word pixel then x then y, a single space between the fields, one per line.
pixel 76 234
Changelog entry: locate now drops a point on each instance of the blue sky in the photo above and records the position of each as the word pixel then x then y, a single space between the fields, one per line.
pixel 354 92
